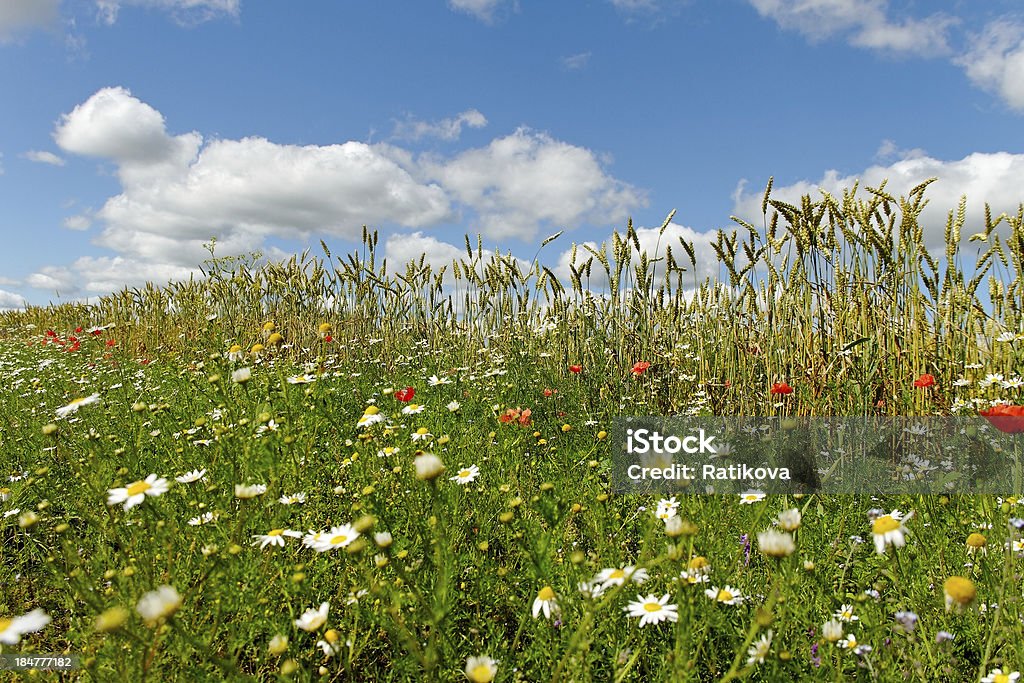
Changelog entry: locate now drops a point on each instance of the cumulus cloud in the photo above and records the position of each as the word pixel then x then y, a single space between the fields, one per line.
pixel 44 157
pixel 866 23
pixel 527 180
pixel 179 190
pixel 10 300
pixel 184 11
pixel 17 16
pixel 996 62
pixel 653 244
pixel 993 178
pixel 484 10
pixel 445 129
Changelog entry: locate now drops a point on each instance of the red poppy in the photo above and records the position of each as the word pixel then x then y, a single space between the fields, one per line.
pixel 96 333
pixel 111 342
pixel 924 381
pixel 548 393
pixel 575 369
pixel 405 395
pixel 78 330
pixel 51 333
pixel 328 338
pixel 780 388
pixel 1007 419
pixel 640 367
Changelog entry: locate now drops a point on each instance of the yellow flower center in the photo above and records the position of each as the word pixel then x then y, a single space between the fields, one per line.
pixel 976 541
pixel 698 562
pixel 371 410
pixel 340 538
pixel 481 673
pixel 724 595
pixel 275 532
pixel 464 473
pixel 331 636
pixel 960 590
pixel 1001 678
pixel 546 594
pixel 422 430
pixel 617 574
pixel 884 525
pixel 652 606
pixel 235 348
pixel 138 487
pixel 4 623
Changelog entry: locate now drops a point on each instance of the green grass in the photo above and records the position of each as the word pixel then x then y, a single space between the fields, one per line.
pixel 837 297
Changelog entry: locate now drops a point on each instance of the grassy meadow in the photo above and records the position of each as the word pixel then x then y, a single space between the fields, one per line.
pixel 333 469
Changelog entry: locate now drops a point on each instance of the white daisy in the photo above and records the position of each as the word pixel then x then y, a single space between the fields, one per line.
pixel 653 610
pixel 312 619
pixel 275 537
pixel 73 407
pixel 727 595
pixel 249 490
pixel 760 649
pixel 466 474
pixel 616 576
pixel 189 477
pixel 13 628
pixel 546 602
pixel 292 499
pixel 337 537
pixel 135 493
pixel 889 530
pixel 159 604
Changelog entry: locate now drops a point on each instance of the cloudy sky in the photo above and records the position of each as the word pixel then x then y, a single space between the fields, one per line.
pixel 133 131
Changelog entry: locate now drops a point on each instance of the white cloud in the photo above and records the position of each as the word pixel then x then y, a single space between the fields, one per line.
pixel 996 62
pixel 445 129
pixel 43 157
pixel 526 180
pixel 8 282
pixel 993 178
pixel 654 245
pixel 184 11
pixel 576 62
pixel 484 10
pixel 10 300
pixel 17 16
pixel 178 191
pixel 79 222
pixel 866 23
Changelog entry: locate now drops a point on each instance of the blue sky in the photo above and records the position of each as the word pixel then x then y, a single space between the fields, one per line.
pixel 132 131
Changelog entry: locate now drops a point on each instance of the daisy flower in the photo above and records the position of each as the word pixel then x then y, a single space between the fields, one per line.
pixel 337 537
pixel 13 628
pixel 312 619
pixel 241 375
pixel 421 434
pixel 189 477
pixel 302 379
pixel 545 602
pixel 845 614
pixel 466 474
pixel 135 493
pixel 591 589
pixel 204 518
pixel 331 643
pixel 73 407
pixel 274 537
pixel 789 520
pixel 959 591
pixel 428 466
pixel 481 669
pixel 413 409
pixel 775 543
pixel 889 530
pixel 620 575
pixel 434 381
pixel 667 508
pixel 453 406
pixel 752 496
pixel 760 649
pixel 292 499
pixel 159 604
pixel 653 610
pixel 371 416
pixel 849 642
pixel 249 490
pixel 727 595
pixel 235 353
pixel 997 676
pixel 832 630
